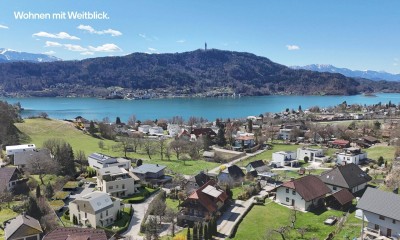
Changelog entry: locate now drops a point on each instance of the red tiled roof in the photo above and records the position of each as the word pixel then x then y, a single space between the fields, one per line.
pixel 343 196
pixel 244 138
pixel 206 200
pixel 309 187
pixel 76 234
pixel 340 142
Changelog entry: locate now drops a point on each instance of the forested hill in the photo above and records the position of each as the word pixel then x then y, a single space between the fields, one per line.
pixel 189 72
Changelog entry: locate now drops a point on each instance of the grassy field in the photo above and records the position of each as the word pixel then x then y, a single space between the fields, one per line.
pixel 387 152
pixel 351 228
pixel 172 203
pixel 272 216
pixel 5 214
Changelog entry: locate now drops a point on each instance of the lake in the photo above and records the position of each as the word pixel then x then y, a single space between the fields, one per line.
pixel 209 108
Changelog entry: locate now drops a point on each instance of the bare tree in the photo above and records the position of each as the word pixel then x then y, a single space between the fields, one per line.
pixel 293 216
pixel 162 145
pixel 302 231
pixel 81 158
pixel 170 216
pixel 136 141
pixel 41 167
pixel 149 146
pixel 126 143
pixel 178 146
pixel 132 120
pixel 282 231
pixel 6 197
pixel 159 208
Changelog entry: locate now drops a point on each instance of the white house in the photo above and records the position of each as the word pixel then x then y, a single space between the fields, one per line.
pixel 284 133
pixel 283 158
pixel 156 131
pixel 173 129
pixel 117 181
pixel 304 193
pixel 382 212
pixel 351 155
pixel 313 154
pixel 98 161
pixel 144 128
pixel 95 209
pixel 10 150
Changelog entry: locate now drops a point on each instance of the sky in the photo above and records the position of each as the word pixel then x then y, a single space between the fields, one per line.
pixel 356 34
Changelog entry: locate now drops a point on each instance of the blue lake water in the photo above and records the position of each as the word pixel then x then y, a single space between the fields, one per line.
pixel 209 108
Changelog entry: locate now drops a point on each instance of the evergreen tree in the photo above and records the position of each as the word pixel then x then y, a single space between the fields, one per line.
pixel 32 208
pixel 38 194
pixel 206 234
pixel 195 232
pixel 221 140
pixel 49 191
pixel 188 237
pixel 249 125
pixel 92 128
pixel 118 121
pixel 200 229
pixel 64 155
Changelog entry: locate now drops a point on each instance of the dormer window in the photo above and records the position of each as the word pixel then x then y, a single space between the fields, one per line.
pixel 287 190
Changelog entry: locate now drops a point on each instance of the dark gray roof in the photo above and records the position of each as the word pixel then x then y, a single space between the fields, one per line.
pixel 257 163
pixel 22 226
pixel 7 174
pixel 22 158
pixel 99 157
pixel 72 233
pixel 200 179
pixel 145 168
pixel 380 202
pixel 346 176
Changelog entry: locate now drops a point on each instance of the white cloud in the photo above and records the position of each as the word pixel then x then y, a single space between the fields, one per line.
pixel 142 35
pixel 148 38
pixel 75 48
pixel 87 53
pixel 152 49
pixel 60 35
pixel 90 29
pixel 53 44
pixel 49 53
pixel 292 47
pixel 3 26
pixel 181 41
pixel 109 47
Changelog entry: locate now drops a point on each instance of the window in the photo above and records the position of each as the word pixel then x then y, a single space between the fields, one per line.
pixel 85 215
pixel 376 227
pixel 106 212
pixel 287 199
pixel 393 221
pixel 110 187
pixel 123 186
pixel 381 217
pixel 293 192
pixel 101 215
pixel 287 190
pixel 116 186
pixel 334 188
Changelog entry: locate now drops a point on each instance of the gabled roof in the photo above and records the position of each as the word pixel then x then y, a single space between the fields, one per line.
pixel 346 176
pixel 309 187
pixel 94 202
pixel 235 172
pixel 381 203
pixel 22 158
pixel 76 234
pixel 200 179
pixel 22 226
pixel 256 164
pixel 343 196
pixel 203 131
pixel 145 168
pixel 7 174
pixel 208 201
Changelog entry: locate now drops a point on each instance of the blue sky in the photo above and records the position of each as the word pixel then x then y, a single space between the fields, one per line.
pixel 357 34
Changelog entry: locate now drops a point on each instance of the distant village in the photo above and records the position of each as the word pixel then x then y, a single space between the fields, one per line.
pixel 323 165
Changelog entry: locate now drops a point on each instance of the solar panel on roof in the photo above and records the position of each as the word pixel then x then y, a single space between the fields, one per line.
pixel 212 191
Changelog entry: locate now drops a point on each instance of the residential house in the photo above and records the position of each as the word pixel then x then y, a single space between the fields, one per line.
pixel 95 209
pixel 199 132
pixel 283 158
pixel 341 199
pixel 173 129
pixel 208 155
pixel 11 150
pixel 231 175
pixel 9 178
pixel 381 211
pixel 350 177
pixel 117 181
pixel 313 154
pixel 202 204
pixel 305 193
pixel 73 233
pixel 98 161
pixel 153 173
pixel 339 143
pixel 351 155
pixel 243 142
pixel 196 182
pixel 256 167
pixel 21 159
pixel 22 227
pixel 285 133
pixel 144 128
pixel 371 140
pixel 156 131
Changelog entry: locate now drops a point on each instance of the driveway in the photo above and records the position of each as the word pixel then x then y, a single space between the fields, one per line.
pixel 137 217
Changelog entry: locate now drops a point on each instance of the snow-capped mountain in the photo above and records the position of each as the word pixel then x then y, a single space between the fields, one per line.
pixel 368 74
pixel 8 55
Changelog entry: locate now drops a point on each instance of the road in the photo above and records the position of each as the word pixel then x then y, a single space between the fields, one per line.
pixel 137 217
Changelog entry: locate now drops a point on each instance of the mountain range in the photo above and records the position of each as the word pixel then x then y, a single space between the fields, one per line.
pixel 368 74
pixel 9 55
pixel 194 73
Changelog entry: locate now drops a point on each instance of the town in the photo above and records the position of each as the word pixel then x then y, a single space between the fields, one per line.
pixel 316 173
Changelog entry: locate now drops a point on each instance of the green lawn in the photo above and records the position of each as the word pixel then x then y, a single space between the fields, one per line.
pixel 191 167
pixel 123 222
pixel 47 179
pixel 267 154
pixel 5 214
pixel 387 152
pixel 172 203
pixel 140 197
pixel 56 204
pixel 61 195
pixel 71 184
pixel 351 228
pixel 262 219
